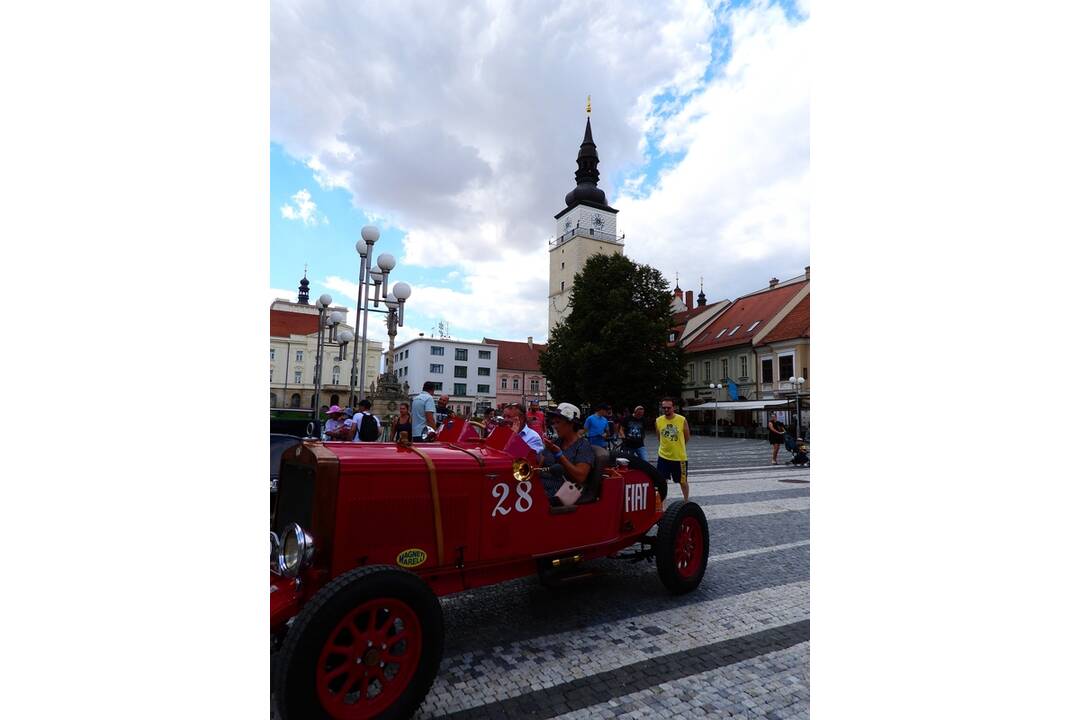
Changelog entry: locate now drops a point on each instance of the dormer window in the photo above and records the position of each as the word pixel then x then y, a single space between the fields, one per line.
pixel 721 332
pixel 751 328
pixel 734 330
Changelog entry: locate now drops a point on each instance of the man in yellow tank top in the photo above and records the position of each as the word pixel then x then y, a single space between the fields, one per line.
pixel 673 432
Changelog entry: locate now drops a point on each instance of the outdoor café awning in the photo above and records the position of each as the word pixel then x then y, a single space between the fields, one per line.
pixel 740 405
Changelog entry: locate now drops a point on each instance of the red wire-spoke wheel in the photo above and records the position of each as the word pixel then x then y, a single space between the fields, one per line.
pixel 688 547
pixel 682 546
pixel 368 659
pixel 367 645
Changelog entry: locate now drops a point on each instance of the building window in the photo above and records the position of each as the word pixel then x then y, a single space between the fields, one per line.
pixel 486 372
pixel 766 371
pixel 296 376
pixel 299 356
pixel 787 366
pixel 406 353
pixel 516 386
pixel 461 371
pixel 502 383
pixel 459 389
pixel 708 371
pixel 273 399
pixel 562 285
pixel 690 373
pixel 483 389
pixel 272 353
pixel 294 400
pixel 485 354
pixel 671 337
pixel 751 328
pixel 534 386
pixel 271 374
pixel 438 387
pixel 438 350
pixel 734 330
pixel 742 367
pixel 562 266
pixel 336 372
pixel 723 369
pixel 461 354
pixel 436 368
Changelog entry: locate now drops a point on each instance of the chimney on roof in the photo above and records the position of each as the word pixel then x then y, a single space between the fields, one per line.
pixel 689 299
pixel 807 272
pixel 530 342
pixel 773 282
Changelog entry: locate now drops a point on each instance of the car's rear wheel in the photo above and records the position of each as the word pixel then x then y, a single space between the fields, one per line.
pixel 682 546
pixel 368 645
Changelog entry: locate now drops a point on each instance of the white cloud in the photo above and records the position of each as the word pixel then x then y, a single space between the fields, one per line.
pixel 735 209
pixel 464 130
pixel 304 210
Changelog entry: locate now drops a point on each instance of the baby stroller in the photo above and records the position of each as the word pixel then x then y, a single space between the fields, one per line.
pixel 801 455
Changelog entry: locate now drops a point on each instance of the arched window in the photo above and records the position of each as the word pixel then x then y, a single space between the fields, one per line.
pixel 273 399
pixel 333 399
pixel 516 384
pixel 337 376
pixel 502 382
pixel 294 400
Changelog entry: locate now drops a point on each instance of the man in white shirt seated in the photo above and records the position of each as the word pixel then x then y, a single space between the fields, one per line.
pixel 514 415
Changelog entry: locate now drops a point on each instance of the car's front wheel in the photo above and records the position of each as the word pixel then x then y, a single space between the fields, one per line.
pixel 682 546
pixel 368 645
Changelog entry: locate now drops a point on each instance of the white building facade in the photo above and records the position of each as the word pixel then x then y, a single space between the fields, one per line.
pixel 466 371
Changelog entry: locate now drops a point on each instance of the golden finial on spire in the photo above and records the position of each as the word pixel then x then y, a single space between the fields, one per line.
pixel 588 105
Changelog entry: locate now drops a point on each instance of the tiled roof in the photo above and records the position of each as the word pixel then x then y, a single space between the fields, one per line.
pixel 741 316
pixel 284 324
pixel 795 325
pixel 517 355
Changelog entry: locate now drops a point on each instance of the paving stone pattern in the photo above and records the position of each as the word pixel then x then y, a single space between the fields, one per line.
pixel 617 645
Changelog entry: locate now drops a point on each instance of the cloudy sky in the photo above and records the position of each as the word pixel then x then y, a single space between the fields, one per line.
pixel 454 127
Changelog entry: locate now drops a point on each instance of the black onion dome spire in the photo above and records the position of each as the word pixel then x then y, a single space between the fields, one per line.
pixel 302 296
pixel 587 175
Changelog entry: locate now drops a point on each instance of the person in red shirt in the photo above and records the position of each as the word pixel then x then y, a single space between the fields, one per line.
pixel 535 419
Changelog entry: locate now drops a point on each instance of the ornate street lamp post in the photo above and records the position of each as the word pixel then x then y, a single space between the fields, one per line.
pixel 328 334
pixel 374 278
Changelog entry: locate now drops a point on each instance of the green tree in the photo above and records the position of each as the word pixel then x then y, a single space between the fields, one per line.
pixel 613 346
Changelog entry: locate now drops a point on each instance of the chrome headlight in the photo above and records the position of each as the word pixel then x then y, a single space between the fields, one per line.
pixel 297 549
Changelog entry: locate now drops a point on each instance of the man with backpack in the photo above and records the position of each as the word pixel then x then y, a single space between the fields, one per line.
pixel 368 427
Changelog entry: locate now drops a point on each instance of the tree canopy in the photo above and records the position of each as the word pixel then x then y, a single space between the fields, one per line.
pixel 613 346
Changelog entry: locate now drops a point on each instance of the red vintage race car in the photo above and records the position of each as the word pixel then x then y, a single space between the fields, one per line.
pixel 366 536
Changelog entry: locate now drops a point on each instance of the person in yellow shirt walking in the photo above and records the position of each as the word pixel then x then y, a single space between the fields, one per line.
pixel 673 432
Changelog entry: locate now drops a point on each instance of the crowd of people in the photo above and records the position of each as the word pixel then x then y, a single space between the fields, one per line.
pixel 564 440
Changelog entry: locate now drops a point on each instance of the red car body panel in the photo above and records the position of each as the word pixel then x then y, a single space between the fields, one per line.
pixel 374 504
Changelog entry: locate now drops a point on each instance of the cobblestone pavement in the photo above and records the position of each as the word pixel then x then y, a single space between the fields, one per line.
pixel 617 645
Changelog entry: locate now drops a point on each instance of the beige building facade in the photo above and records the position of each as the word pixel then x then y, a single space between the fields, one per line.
pixel 293 349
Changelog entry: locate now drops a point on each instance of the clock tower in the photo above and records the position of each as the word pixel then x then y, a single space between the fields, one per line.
pixel 585 227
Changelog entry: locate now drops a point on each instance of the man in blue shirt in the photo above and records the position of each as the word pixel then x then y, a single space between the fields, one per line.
pixel 596 425
pixel 423 411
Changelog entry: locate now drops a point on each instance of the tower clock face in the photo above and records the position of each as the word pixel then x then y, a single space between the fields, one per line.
pixel 598 221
